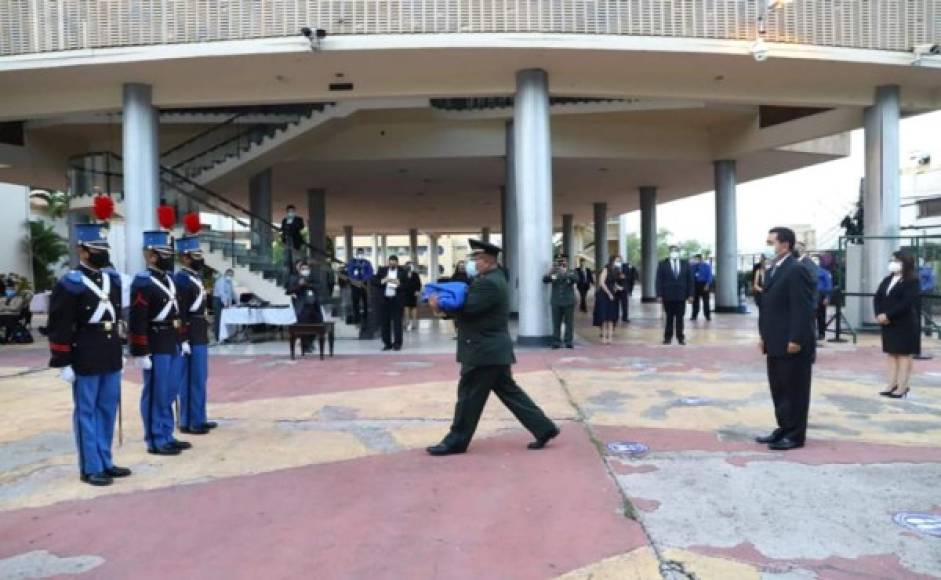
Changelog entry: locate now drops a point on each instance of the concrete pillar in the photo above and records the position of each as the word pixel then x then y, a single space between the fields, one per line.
pixel 881 201
pixel 485 234
pixel 510 232
pixel 601 235
pixel 648 242
pixel 432 257
pixel 383 248
pixel 348 243
pixel 413 246
pixel 533 193
pixel 259 203
pixel 568 237
pixel 141 170
pixel 622 236
pixel 317 219
pixel 376 261
pixel 726 270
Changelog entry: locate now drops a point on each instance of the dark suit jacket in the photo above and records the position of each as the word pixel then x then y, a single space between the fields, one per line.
pixel 291 232
pixel 630 276
pixel 787 309
pixel 585 277
pixel 675 288
pixel 401 274
pixel 483 335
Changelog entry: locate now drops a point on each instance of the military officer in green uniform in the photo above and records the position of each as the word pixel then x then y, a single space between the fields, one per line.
pixel 485 351
pixel 562 301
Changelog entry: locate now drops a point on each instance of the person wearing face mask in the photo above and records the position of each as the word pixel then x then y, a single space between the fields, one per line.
pixel 460 272
pixel 562 301
pixel 702 277
pixel 359 273
pixel 392 282
pixel 13 306
pixel 84 311
pixel 305 294
pixel 193 366
pixel 413 288
pixel 824 293
pixel 675 287
pixel 896 308
pixel 292 227
pixel 154 336
pixel 786 327
pixel 223 296
pixel 625 274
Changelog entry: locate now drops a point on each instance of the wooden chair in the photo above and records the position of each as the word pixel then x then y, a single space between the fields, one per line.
pixel 322 330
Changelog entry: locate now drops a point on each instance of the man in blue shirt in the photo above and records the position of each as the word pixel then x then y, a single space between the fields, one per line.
pixel 359 272
pixel 223 296
pixel 824 292
pixel 702 277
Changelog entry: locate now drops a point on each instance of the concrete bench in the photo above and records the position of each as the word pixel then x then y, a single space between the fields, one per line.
pixel 322 330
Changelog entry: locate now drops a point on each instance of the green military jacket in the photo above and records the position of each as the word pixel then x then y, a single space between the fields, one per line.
pixel 483 334
pixel 563 288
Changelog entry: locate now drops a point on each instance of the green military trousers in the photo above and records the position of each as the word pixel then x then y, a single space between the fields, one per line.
pixel 563 315
pixel 472 393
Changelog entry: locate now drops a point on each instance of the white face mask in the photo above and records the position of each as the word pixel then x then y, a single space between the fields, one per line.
pixel 617 264
pixel 895 267
pixel 471 268
pixel 305 273
pixel 674 255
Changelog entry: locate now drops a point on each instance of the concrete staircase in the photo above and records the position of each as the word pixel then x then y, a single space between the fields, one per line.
pixel 256 274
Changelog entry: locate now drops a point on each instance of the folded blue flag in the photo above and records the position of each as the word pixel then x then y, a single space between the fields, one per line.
pixel 451 295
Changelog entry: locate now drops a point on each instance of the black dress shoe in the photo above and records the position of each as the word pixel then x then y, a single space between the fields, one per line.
pixel 194 430
pixel 397 347
pixel 115 471
pixel 99 479
pixel 165 450
pixel 682 341
pixel 665 341
pixel 387 347
pixel 556 346
pixel 541 442
pixel 441 449
pixel 181 445
pixel 210 425
pixel 769 438
pixel 570 346
pixel 784 444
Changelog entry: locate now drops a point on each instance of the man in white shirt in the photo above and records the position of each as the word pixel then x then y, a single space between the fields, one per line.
pixel 392 283
pixel 223 296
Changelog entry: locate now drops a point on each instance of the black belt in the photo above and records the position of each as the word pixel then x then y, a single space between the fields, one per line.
pixel 166 324
pixel 106 326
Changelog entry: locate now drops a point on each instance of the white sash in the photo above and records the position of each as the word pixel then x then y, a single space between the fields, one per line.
pixel 104 297
pixel 202 293
pixel 171 294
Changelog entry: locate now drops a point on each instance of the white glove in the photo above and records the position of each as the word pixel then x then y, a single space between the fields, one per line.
pixel 67 374
pixel 123 364
pixel 185 348
pixel 143 362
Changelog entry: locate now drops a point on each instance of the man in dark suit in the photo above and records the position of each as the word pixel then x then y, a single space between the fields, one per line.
pixel 392 282
pixel 291 227
pixel 675 288
pixel 585 281
pixel 627 282
pixel 786 326
pixel 485 351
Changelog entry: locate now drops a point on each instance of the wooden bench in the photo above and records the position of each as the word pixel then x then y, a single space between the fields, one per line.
pixel 322 330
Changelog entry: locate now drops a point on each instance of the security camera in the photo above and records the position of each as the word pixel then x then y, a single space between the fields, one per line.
pixel 314 36
pixel 759 50
pixel 926 49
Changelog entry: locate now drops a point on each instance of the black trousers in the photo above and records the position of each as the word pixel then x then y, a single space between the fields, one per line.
pixel 472 393
pixel 675 311
pixel 789 378
pixel 582 296
pixel 821 319
pixel 563 315
pixel 391 313
pixel 360 304
pixel 623 299
pixel 702 293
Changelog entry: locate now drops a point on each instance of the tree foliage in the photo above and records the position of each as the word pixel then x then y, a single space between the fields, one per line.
pixel 47 249
pixel 688 248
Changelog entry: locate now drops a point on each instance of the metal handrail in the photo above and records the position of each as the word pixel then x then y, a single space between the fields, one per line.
pixel 201 134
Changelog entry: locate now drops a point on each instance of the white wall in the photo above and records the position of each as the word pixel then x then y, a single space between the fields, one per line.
pixel 14 199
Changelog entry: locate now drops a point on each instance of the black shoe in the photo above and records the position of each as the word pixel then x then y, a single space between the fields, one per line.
pixel 115 471
pixel 785 444
pixel 541 442
pixel 210 425
pixel 397 347
pixel 667 341
pixel 387 347
pixel 181 445
pixel 570 346
pixel 556 346
pixel 889 392
pixel 194 430
pixel 99 479
pixel 442 449
pixel 899 394
pixel 681 341
pixel 769 438
pixel 692 319
pixel 165 450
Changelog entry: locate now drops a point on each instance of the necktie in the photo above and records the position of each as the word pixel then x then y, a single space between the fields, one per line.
pixel 676 270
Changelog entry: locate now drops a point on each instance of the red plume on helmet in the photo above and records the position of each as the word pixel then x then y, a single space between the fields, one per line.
pixel 104 207
pixel 166 216
pixel 191 223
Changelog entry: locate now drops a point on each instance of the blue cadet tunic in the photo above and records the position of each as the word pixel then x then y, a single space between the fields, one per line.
pixel 193 367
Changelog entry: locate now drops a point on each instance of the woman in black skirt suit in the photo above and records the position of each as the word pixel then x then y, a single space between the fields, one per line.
pixel 412 292
pixel 606 307
pixel 896 309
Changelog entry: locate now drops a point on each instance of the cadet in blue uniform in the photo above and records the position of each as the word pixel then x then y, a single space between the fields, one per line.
pixel 359 272
pixel 154 336
pixel 194 364
pixel 83 338
pixel 702 280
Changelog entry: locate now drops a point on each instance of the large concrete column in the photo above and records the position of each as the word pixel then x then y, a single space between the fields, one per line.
pixel 348 243
pixel 622 236
pixel 384 248
pixel 413 246
pixel 375 251
pixel 568 237
pixel 432 257
pixel 511 233
pixel 533 193
pixel 601 235
pixel 648 242
pixel 141 171
pixel 259 203
pixel 726 271
pixel 485 235
pixel 881 201
pixel 317 218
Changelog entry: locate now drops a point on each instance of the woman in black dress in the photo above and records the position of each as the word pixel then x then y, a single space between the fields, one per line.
pixel 412 292
pixel 606 306
pixel 896 309
pixel 758 279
